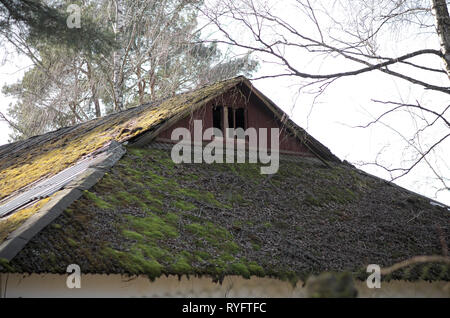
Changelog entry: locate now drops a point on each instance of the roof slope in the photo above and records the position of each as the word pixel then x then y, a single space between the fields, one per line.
pixel 27 161
pixel 39 166
pixel 30 160
pixel 151 216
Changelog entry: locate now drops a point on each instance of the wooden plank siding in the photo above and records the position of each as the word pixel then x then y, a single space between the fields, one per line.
pixel 257 115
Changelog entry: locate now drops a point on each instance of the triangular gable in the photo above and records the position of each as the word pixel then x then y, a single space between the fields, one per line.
pixel 316 148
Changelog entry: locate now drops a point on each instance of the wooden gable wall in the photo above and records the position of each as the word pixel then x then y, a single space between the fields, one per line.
pixel 257 115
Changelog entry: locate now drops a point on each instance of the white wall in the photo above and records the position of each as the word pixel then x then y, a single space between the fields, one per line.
pixel 51 285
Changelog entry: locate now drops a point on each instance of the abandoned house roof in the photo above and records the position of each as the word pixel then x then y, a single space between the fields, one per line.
pixel 134 211
pixel 24 162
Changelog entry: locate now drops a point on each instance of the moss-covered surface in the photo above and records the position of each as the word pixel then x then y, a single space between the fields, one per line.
pixel 13 221
pixel 150 216
pixel 26 161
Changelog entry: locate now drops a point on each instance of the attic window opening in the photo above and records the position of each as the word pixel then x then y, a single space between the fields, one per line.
pixel 239 118
pixel 217 117
pixel 228 117
pixel 236 119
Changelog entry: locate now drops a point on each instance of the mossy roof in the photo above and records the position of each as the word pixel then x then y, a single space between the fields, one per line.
pixel 24 162
pixel 30 160
pixel 150 216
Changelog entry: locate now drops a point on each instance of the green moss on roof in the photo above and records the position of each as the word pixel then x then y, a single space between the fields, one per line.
pixel 13 221
pixel 27 161
pixel 154 220
pixel 102 204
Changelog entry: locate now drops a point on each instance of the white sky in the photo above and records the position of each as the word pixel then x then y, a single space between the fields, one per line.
pixel 12 69
pixel 346 103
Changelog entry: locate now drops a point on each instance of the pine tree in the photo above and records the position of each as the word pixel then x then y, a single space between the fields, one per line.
pixel 157 54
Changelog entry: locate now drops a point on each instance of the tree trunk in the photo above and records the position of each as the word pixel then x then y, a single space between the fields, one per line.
pixel 152 82
pixel 118 56
pixel 440 11
pixel 141 85
pixel 98 112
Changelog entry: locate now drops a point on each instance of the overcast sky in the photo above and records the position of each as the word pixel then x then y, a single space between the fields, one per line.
pixel 346 103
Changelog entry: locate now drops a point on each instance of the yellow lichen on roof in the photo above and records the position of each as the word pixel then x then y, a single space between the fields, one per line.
pixel 50 161
pixel 12 222
pixel 17 170
pixel 183 102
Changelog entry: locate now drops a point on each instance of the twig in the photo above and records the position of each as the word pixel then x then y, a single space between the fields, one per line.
pixel 415 260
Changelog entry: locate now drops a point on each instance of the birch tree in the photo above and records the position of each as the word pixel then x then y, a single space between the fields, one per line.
pixel 160 50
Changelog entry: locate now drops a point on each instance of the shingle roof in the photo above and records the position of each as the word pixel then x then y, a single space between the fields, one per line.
pixel 25 165
pixel 27 161
pixel 24 162
pixel 150 216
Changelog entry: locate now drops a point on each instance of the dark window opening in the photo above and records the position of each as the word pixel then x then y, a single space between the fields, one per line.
pixel 217 117
pixel 230 117
pixel 240 118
